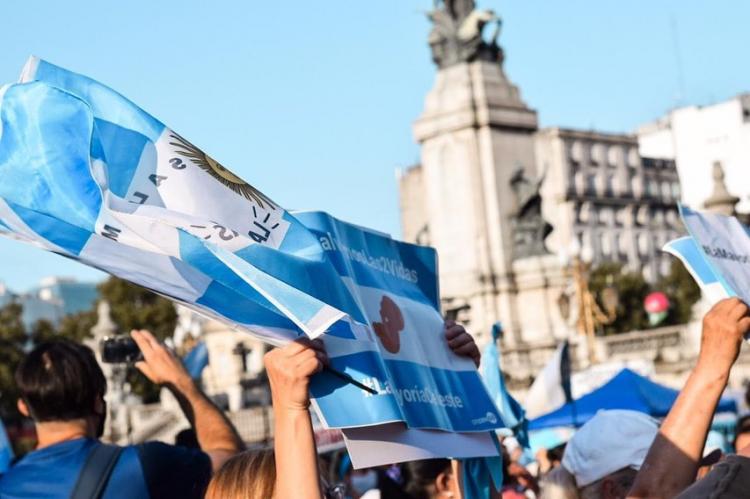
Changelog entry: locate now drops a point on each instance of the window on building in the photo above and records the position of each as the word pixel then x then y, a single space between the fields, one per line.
pixel 666 190
pixel 579 183
pixel 623 244
pixel 591 184
pixel 584 213
pixel 633 157
pixel 613 156
pixel 676 190
pixel 597 151
pixel 671 218
pixel 604 244
pixel 643 244
pixel 636 186
pixel 576 153
pixel 610 185
pixel 658 217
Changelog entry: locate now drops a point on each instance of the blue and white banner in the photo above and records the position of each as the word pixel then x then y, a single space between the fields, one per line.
pixel 717 254
pixel 401 351
pixel 89 175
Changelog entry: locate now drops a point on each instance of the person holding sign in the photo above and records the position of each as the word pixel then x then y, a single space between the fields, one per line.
pixel 263 474
pixel 674 457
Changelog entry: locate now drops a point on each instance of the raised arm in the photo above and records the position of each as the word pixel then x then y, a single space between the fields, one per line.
pixel 289 371
pixel 216 435
pixel 672 461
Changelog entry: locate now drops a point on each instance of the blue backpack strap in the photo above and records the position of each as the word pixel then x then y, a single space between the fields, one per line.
pixel 93 478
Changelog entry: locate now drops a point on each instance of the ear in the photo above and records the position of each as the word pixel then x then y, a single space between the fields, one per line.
pixel 23 408
pixel 100 407
pixel 443 481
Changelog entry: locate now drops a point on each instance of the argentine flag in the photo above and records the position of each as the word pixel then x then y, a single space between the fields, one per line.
pixel 115 188
pixel 91 176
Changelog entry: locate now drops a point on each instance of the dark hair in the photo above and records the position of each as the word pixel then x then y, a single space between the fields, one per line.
pixel 60 381
pixel 556 453
pixel 422 474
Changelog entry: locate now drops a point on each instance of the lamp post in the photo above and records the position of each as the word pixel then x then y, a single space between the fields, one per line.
pixel 590 315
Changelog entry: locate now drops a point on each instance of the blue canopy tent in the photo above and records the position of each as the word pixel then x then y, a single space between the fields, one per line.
pixel 627 390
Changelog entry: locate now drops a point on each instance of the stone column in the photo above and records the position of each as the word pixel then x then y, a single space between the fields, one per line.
pixel 475 132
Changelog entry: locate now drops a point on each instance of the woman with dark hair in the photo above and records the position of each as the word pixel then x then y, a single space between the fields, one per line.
pixel 432 479
pixel 292 470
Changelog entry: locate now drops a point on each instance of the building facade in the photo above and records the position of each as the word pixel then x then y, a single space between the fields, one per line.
pixel 697 138
pixel 53 299
pixel 491 186
pixel 600 194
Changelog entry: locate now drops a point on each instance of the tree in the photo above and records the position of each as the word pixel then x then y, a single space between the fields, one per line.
pixel 135 307
pixel 631 288
pixel 77 327
pixel 683 293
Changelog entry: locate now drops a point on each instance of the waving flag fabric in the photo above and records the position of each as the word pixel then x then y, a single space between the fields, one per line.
pixel 91 176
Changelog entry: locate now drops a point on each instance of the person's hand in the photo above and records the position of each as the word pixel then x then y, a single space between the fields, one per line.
pixel 461 342
pixel 289 370
pixel 723 329
pixel 159 364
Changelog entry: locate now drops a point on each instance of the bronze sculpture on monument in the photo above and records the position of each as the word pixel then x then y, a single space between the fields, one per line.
pixel 476 189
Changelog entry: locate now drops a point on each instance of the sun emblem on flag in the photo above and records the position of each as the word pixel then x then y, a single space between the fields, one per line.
pixel 219 172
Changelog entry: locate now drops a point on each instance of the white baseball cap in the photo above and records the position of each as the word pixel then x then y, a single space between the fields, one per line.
pixel 608 442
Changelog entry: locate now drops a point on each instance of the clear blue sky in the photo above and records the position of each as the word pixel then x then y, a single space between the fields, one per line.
pixel 313 101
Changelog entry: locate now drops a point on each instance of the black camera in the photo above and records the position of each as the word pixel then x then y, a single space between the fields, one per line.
pixel 120 350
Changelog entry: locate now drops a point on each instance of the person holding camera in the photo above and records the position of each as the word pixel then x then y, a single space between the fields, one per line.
pixel 62 389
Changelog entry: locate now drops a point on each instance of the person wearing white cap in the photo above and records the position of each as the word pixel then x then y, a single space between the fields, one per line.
pixel 604 456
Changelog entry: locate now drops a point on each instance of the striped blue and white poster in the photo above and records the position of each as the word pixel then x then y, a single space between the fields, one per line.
pixel 91 176
pixel 717 254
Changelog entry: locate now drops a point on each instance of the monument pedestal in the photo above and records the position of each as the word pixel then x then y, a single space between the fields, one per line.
pixel 539 282
pixel 476 188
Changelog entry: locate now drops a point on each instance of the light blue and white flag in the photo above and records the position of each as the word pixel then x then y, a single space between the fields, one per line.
pixel 89 175
pixel 717 254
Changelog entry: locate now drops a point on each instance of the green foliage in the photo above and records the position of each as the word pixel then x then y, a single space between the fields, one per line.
pixel 134 307
pixel 77 327
pixel 42 330
pixel 631 288
pixel 682 291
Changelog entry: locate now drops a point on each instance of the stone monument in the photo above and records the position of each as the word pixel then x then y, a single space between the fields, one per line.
pixel 475 193
pixel 721 201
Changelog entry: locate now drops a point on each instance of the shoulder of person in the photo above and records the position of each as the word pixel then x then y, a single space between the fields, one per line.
pixel 730 478
pixel 166 467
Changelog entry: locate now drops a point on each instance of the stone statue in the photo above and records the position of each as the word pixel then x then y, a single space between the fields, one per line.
pixel 457 30
pixel 720 201
pixel 529 227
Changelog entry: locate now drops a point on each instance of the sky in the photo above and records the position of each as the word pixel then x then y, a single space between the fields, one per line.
pixel 313 102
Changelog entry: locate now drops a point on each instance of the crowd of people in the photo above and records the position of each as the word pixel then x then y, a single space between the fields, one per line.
pixel 616 454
